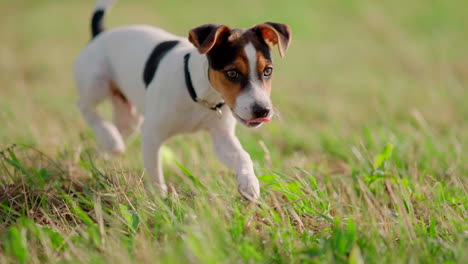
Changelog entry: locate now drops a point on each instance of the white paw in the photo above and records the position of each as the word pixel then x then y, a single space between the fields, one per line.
pixel 249 188
pixel 109 138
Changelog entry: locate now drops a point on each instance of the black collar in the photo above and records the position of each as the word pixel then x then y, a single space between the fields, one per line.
pixel 191 90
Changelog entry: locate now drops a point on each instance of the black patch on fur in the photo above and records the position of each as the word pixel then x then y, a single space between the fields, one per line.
pixel 189 84
pixel 226 52
pixel 188 79
pixel 202 33
pixel 97 24
pixel 155 58
pixel 260 45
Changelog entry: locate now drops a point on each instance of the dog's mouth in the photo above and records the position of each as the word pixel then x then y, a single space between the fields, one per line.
pixel 254 122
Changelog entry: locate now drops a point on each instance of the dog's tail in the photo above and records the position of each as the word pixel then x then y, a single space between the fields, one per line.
pixel 97 23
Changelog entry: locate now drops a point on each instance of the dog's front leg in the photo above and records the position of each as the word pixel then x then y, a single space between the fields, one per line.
pixel 151 142
pixel 229 151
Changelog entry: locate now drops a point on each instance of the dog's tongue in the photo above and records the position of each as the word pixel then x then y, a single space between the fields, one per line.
pixel 259 120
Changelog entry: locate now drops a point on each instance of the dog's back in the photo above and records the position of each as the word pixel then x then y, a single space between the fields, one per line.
pixel 120 56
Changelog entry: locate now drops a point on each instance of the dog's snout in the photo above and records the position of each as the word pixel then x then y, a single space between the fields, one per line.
pixel 259 111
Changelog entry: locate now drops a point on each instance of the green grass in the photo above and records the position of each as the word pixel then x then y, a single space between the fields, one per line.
pixel 366 163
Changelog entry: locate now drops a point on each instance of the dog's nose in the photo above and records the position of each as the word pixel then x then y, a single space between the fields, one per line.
pixel 259 111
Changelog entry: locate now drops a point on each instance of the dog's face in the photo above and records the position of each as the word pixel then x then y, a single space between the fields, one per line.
pixel 241 67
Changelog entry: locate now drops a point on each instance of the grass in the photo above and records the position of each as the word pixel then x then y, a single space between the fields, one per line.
pixel 366 163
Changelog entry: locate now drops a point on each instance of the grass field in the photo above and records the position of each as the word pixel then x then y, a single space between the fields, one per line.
pixel 366 163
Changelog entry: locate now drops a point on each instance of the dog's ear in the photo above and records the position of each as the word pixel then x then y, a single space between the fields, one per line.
pixel 205 37
pixel 275 34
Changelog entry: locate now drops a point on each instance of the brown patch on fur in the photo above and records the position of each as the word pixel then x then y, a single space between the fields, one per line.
pixel 240 64
pixel 263 63
pixel 115 91
pixel 269 36
pixel 228 90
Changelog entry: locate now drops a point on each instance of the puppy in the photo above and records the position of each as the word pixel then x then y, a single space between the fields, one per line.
pixel 179 85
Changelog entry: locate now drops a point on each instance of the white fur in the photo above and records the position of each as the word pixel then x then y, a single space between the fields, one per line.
pixel 119 55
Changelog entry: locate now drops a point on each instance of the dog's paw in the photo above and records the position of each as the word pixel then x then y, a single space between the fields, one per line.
pixel 110 139
pixel 249 189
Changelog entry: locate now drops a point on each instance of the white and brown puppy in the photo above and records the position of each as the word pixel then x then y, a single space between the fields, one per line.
pixel 179 85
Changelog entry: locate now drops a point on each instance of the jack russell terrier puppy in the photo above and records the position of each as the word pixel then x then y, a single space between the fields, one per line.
pixel 179 85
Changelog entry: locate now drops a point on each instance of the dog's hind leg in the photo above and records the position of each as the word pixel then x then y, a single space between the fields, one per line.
pixel 91 93
pixel 126 117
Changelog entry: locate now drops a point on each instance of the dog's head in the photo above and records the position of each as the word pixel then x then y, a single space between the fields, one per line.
pixel 241 67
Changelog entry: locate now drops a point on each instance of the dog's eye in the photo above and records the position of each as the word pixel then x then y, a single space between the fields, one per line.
pixel 268 71
pixel 232 75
